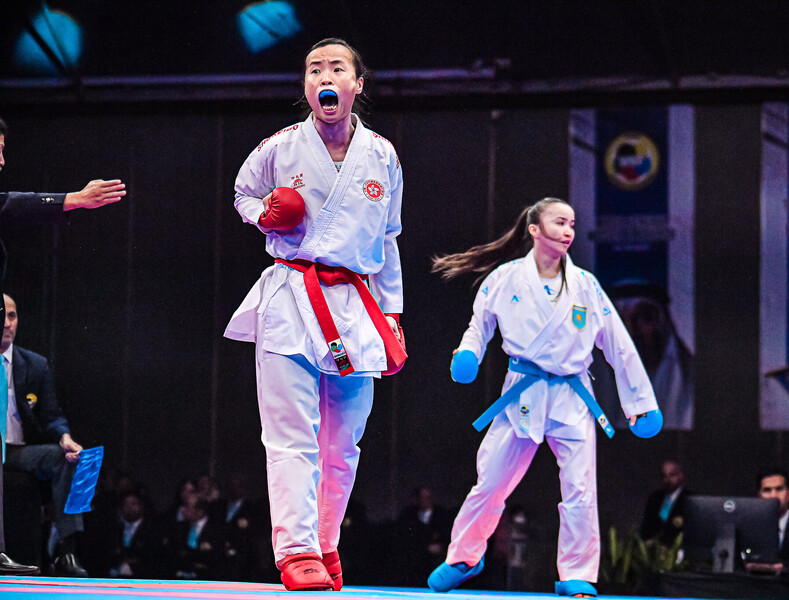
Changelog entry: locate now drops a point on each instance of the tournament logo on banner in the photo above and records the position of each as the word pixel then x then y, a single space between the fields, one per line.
pixel 632 161
pixel 632 196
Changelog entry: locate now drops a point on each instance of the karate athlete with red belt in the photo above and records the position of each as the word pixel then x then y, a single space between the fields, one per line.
pixel 550 315
pixel 325 317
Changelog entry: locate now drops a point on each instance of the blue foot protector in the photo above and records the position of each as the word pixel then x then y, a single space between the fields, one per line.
pixel 571 587
pixel 649 425
pixel 448 577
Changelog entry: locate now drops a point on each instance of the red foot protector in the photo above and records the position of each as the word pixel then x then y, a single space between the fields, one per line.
pixel 332 563
pixel 305 572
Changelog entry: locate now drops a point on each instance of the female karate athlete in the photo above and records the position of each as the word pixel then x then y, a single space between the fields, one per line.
pixel 550 314
pixel 320 332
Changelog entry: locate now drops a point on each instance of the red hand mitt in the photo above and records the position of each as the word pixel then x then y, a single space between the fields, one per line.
pixel 285 211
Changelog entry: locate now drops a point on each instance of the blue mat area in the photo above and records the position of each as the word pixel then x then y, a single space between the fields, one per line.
pixel 51 588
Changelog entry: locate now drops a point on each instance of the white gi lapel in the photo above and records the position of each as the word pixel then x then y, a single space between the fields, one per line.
pixel 554 317
pixel 339 182
pixel 319 152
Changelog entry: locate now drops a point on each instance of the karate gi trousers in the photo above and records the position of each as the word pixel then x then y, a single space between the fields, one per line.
pixel 311 426
pixel 502 461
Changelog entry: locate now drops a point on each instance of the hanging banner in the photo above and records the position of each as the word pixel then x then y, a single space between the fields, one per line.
pixel 774 297
pixel 632 184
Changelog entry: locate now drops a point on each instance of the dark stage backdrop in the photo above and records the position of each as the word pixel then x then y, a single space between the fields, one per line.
pixel 130 301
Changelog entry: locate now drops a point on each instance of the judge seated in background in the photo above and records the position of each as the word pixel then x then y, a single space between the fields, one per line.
pixel 664 513
pixel 774 483
pixel 37 436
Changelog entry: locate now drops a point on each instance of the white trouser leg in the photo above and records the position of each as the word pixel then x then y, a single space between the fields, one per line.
pixel 290 418
pixel 291 396
pixel 579 529
pixel 502 461
pixel 345 404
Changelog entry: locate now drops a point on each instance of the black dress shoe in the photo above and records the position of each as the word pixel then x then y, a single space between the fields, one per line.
pixel 67 565
pixel 11 567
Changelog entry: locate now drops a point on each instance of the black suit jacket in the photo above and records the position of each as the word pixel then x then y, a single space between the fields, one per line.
pixel 31 207
pixel 249 520
pixel 143 554
pixel 27 207
pixel 207 561
pixel 42 419
pixel 652 527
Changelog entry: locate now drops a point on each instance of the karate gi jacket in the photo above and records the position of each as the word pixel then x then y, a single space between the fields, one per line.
pixel 352 220
pixel 559 340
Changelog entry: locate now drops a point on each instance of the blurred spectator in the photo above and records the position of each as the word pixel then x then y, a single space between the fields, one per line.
pixel 198 546
pixel 175 512
pixel 134 541
pixel 423 529
pixel 515 544
pixel 514 556
pixel 102 517
pixel 207 489
pixel 664 513
pixel 171 518
pixel 248 533
pixel 357 534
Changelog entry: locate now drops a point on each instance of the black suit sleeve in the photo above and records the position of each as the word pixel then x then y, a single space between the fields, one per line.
pixel 27 207
pixel 52 418
pixel 31 207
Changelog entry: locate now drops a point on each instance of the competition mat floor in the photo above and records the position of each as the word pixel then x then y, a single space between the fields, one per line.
pixel 52 588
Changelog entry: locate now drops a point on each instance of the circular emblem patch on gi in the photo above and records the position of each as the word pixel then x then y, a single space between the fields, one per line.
pixel 374 190
pixel 632 161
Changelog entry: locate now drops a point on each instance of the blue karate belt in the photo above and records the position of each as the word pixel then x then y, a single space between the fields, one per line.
pixel 532 373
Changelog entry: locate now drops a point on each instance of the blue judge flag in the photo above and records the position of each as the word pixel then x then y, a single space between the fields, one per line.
pixel 83 485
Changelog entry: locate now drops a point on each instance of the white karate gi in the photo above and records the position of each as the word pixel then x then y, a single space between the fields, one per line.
pixel 559 340
pixel 311 418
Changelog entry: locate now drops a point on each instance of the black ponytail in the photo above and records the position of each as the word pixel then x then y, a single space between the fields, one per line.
pixel 483 259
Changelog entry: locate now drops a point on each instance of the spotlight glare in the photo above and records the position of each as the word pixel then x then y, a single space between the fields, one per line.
pixel 265 24
pixel 60 33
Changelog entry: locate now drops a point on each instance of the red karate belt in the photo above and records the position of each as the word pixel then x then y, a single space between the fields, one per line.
pixel 317 273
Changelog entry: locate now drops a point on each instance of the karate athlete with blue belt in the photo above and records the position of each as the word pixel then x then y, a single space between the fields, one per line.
pixel 325 317
pixel 550 314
